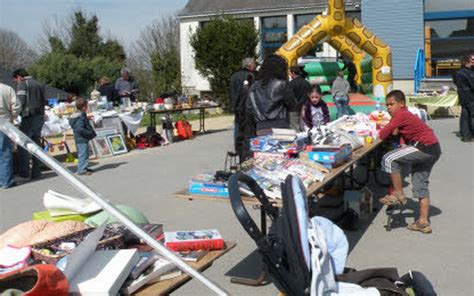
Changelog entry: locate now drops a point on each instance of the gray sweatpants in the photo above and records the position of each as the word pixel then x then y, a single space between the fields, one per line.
pixel 421 166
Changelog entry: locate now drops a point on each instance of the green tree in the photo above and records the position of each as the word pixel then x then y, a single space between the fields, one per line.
pixel 154 58
pixel 79 62
pixel 166 70
pixel 219 46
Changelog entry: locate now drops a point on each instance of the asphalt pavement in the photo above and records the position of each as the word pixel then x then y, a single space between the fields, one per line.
pixel 146 180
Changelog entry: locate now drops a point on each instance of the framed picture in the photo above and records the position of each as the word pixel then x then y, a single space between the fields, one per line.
pixel 102 146
pixel 117 144
pixel 105 131
pixel 92 152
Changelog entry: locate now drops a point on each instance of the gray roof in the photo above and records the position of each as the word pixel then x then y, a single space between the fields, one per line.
pixel 207 7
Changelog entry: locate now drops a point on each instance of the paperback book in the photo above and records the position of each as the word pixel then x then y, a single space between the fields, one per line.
pixel 209 239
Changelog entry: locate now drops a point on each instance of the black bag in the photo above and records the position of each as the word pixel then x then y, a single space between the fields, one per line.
pixel 285 265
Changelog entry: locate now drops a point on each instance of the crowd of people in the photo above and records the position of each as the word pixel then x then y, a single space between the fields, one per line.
pixel 268 100
pixel 28 102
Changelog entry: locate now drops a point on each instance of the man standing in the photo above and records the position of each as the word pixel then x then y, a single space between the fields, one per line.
pixel 351 74
pixel 9 110
pixel 236 84
pixel 301 88
pixel 464 81
pixel 31 95
pixel 126 86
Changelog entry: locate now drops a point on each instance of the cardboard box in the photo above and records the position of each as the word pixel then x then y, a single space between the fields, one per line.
pixel 208 189
pixel 329 157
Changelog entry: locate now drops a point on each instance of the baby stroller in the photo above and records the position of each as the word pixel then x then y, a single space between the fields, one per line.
pixel 306 256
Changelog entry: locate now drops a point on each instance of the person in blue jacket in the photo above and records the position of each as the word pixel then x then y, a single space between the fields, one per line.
pixel 83 133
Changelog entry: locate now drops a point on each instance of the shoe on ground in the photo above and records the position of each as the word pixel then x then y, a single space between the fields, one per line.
pixel 85 173
pixel 421 227
pixel 12 184
pixel 89 170
pixel 467 140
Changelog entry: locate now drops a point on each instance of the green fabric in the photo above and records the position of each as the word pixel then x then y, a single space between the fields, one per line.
pixel 366 65
pixel 323 68
pixel 448 100
pixel 367 77
pixel 132 213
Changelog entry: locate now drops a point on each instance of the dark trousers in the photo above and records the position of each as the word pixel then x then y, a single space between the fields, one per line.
pixel 31 126
pixel 466 121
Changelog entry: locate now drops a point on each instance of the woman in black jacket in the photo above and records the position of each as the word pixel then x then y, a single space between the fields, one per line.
pixel 270 97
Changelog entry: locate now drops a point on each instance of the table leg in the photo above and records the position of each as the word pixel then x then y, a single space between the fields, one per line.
pixel 261 279
pixel 201 120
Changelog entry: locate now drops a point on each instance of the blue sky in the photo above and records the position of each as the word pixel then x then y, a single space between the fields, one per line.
pixel 121 19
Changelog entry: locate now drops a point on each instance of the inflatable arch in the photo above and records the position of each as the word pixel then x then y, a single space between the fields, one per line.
pixel 347 35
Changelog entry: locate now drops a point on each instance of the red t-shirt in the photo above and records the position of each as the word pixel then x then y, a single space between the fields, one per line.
pixel 410 127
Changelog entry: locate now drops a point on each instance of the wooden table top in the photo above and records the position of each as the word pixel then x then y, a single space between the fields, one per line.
pixel 167 286
pixel 313 188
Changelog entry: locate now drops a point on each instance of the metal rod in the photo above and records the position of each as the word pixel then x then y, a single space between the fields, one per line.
pixel 21 139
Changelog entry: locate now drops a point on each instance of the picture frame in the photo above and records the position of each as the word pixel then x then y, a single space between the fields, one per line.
pixel 92 151
pixel 102 146
pixel 117 144
pixel 105 131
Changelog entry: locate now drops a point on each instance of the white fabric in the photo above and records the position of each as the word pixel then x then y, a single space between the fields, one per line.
pixel 322 279
pixel 132 120
pixel 336 240
pixel 299 194
pixel 349 289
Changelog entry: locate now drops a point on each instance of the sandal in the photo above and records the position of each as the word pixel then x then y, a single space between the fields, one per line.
pixel 392 199
pixel 421 227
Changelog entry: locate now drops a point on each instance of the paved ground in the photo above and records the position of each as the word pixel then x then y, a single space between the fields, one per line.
pixel 146 179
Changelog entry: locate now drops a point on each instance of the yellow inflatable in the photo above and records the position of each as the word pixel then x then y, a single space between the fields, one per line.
pixel 350 37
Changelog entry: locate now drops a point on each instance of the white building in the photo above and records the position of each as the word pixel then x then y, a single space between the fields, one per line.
pixel 275 20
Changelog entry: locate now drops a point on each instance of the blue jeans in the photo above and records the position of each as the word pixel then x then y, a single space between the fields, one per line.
pixel 82 156
pixel 6 161
pixel 342 105
pixel 31 126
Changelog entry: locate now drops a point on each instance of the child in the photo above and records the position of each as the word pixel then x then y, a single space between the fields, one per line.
pixel 83 133
pixel 315 112
pixel 340 94
pixel 421 151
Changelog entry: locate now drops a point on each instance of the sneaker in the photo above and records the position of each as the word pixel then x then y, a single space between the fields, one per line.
pixel 89 170
pixel 86 173
pixel 467 140
pixel 12 184
pixel 417 226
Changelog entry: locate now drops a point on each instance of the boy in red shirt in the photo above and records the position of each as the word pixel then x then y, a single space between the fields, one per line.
pixel 421 151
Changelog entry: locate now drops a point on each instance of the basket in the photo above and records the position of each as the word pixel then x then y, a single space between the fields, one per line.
pixel 110 240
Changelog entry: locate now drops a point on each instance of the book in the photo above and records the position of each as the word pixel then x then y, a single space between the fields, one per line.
pixel 160 267
pixel 193 256
pixel 174 273
pixel 91 272
pixel 145 261
pixel 104 272
pixel 209 239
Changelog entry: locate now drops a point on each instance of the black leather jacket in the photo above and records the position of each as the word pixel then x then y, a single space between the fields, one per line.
pixel 268 105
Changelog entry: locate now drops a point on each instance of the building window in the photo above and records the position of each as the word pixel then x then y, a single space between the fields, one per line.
pixel 446 41
pixel 452 5
pixel 273 34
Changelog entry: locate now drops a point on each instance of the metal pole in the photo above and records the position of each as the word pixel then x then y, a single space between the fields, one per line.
pixel 21 139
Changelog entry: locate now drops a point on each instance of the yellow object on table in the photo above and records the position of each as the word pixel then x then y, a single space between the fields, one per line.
pixel 46 216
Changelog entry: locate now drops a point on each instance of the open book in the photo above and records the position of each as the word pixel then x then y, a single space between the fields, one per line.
pixel 91 272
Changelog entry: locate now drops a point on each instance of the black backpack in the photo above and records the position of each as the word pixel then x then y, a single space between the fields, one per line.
pixel 281 249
